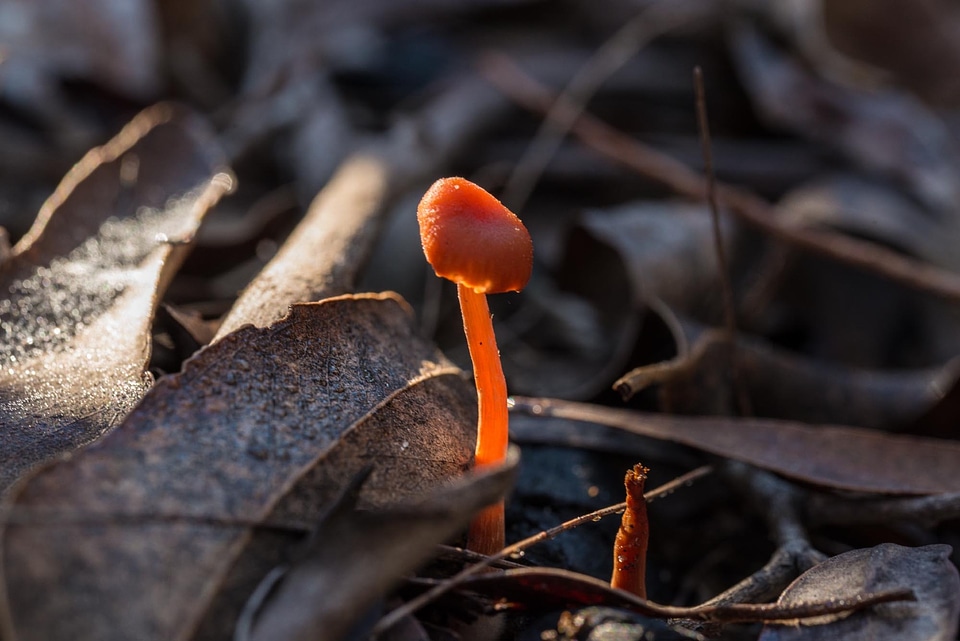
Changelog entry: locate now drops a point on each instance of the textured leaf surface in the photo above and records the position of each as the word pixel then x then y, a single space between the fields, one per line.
pixel 80 289
pixel 134 538
pixel 357 555
pixel 926 570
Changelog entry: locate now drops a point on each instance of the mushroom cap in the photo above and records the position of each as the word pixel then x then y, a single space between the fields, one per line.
pixel 471 238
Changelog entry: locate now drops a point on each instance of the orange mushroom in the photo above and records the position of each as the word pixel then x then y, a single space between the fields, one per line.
pixel 469 237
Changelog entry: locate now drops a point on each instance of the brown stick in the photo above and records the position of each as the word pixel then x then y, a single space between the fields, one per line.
pixel 723 269
pixel 324 253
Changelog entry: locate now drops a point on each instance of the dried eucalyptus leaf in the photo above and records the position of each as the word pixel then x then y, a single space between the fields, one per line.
pixel 849 314
pixel 80 289
pixel 136 538
pixel 834 456
pixel 926 570
pixel 356 556
pixel 638 253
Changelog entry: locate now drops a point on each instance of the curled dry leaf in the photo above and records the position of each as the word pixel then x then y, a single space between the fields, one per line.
pixel 640 253
pixel 81 287
pixel 137 537
pixel 926 570
pixel 356 556
pixel 839 457
pixel 665 252
pixel 871 209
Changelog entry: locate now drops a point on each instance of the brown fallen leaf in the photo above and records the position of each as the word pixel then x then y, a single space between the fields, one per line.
pixel 135 538
pixel 871 209
pixel 325 253
pixel 927 571
pixel 839 457
pixel 81 287
pixel 354 557
pixel 640 254
pixel 662 252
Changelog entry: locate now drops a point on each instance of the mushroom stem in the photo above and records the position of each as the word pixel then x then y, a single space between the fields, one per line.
pixel 492 437
pixel 486 534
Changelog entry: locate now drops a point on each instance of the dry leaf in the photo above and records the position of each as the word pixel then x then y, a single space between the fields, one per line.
pixel 325 253
pixel 855 316
pixel 356 556
pixel 136 537
pixel 843 458
pixel 665 251
pixel 81 287
pixel 639 253
pixel 926 570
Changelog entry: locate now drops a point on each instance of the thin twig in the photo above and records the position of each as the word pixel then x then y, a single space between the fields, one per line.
pixel 744 612
pixel 723 268
pixel 541 578
pixel 411 606
pixel 729 308
pixel 646 161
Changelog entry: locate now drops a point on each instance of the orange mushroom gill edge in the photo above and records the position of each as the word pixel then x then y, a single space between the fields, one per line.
pixel 471 238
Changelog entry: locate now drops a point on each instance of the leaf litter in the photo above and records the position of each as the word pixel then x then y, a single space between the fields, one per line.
pixel 785 115
pixel 925 570
pixel 353 557
pixel 139 532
